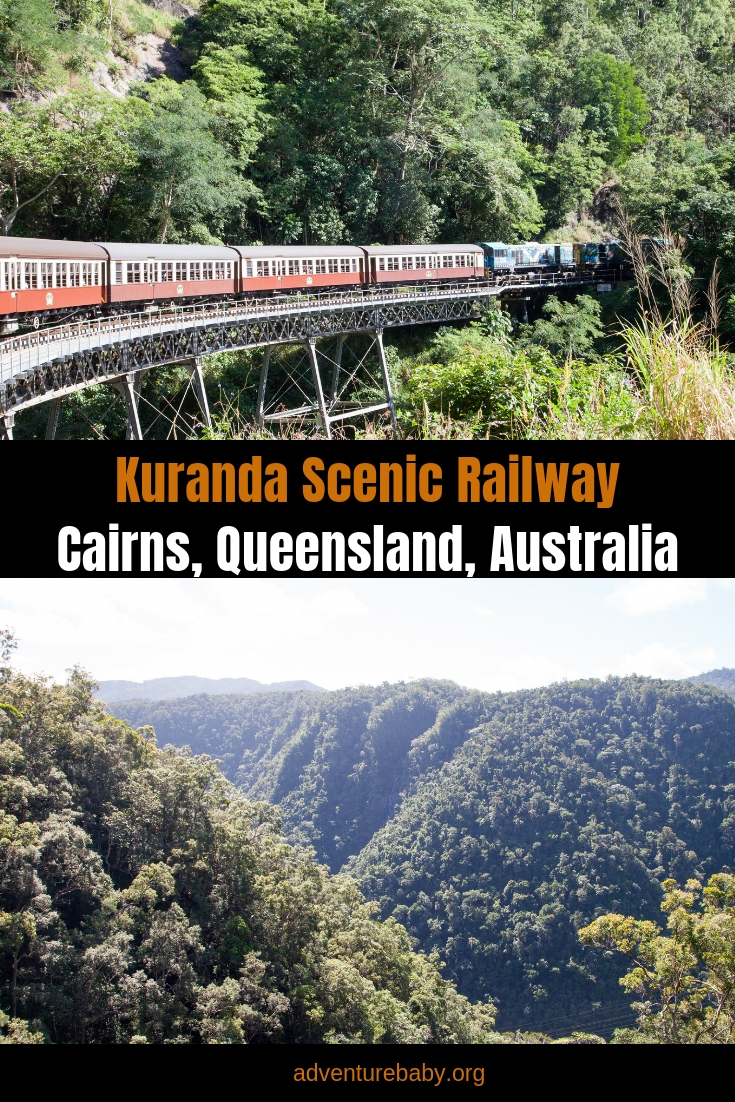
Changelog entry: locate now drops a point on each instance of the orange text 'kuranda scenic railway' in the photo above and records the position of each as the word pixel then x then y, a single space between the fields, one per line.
pixel 41 280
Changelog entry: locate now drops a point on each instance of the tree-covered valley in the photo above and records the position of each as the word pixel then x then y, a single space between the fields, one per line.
pixel 493 827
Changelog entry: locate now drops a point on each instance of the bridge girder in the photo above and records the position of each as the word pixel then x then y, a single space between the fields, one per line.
pixel 97 354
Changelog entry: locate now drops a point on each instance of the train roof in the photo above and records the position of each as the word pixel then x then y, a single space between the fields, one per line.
pixel 130 251
pixel 40 248
pixel 256 251
pixel 492 245
pixel 409 250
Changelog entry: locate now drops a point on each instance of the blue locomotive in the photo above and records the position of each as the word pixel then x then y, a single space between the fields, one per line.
pixel 531 256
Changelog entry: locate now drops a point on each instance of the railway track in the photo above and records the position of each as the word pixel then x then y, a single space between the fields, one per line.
pixel 46 364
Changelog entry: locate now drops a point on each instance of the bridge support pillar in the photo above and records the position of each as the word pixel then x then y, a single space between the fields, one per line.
pixel 386 377
pixel 7 421
pixel 54 408
pixel 323 415
pixel 335 373
pixel 197 378
pixel 259 407
pixel 129 386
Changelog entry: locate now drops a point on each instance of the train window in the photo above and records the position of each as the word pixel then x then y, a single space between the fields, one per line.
pixel 248 269
pixel 333 264
pixel 263 267
pixel 307 266
pixel 195 271
pixel 208 270
pixel 321 267
pixel 354 264
pixel 61 275
pixel 293 267
pixel 167 272
pixel 501 254
pixel 180 272
pixel 344 264
pixel 220 270
pixel 381 263
pixel 447 262
pixel 133 273
pixel 75 275
pixel 393 263
pixel 31 274
pixel 407 263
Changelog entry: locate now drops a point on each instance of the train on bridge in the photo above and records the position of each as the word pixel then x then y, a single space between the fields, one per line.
pixel 46 281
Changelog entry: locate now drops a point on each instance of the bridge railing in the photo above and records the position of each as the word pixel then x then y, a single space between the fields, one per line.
pixel 30 350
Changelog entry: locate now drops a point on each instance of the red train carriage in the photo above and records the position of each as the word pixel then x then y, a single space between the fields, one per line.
pixel 42 277
pixel 52 278
pixel 156 273
pixel 300 267
pixel 419 263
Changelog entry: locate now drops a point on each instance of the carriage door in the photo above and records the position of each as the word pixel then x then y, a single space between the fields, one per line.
pixel 11 276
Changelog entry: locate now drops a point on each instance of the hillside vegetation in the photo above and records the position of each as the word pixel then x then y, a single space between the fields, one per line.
pixel 363 121
pixel 143 900
pixel 493 826
pixel 334 763
pixel 723 679
pixel 297 122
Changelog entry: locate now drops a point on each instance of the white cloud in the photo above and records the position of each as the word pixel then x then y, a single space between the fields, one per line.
pixel 486 634
pixel 658 660
pixel 138 628
pixel 641 596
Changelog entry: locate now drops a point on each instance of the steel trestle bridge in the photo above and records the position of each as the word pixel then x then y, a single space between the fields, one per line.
pixel 44 365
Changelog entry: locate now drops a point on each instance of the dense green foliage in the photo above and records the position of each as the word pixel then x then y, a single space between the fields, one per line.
pixel 685 980
pixel 543 381
pixel 335 763
pixel 511 820
pixel 354 121
pixel 143 900
pixel 360 121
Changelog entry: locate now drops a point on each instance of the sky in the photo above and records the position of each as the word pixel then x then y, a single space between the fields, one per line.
pixel 497 634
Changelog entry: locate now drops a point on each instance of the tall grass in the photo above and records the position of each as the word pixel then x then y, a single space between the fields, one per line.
pixel 685 385
pixel 669 379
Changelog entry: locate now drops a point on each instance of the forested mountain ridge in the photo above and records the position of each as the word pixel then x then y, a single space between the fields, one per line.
pixel 503 822
pixel 167 688
pixel 723 679
pixel 572 800
pixel 336 764
pixel 144 901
